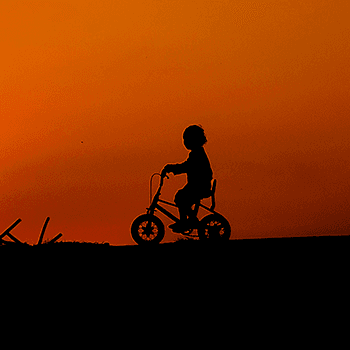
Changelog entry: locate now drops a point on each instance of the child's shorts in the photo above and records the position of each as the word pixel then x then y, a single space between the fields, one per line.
pixel 189 195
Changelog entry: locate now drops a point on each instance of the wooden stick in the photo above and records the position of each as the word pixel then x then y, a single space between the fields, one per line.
pixel 56 238
pixel 43 231
pixel 5 243
pixel 13 238
pixel 7 231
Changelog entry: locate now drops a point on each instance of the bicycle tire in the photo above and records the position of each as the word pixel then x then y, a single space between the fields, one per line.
pixel 214 227
pixel 147 229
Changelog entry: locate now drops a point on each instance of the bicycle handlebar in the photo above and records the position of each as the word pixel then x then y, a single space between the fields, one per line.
pixel 160 184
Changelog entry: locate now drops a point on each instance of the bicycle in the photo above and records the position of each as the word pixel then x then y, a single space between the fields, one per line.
pixel 148 229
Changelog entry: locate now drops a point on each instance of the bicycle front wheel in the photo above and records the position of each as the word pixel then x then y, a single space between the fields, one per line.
pixel 147 229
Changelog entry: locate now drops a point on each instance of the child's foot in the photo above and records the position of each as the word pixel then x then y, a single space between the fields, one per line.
pixel 182 226
pixel 178 227
pixel 192 222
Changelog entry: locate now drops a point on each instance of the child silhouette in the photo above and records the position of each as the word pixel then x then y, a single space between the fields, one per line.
pixel 199 176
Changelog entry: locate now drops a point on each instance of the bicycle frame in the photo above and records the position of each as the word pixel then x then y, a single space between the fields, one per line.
pixel 156 200
pixel 149 229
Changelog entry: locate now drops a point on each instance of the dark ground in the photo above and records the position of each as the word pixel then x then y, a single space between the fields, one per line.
pixel 232 256
pixel 259 290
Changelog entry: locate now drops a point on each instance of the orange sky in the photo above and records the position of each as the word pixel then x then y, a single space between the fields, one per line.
pixel 269 80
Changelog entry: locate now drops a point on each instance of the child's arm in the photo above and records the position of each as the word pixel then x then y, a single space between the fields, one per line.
pixel 180 168
pixel 167 169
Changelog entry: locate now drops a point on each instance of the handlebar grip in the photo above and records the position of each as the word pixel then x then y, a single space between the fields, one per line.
pixel 163 175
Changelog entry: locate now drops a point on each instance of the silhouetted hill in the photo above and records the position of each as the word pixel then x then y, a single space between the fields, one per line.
pixel 234 254
pixel 185 277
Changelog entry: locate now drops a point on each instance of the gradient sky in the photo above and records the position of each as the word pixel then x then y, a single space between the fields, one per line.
pixel 269 80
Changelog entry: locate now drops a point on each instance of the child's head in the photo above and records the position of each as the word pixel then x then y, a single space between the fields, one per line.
pixel 194 137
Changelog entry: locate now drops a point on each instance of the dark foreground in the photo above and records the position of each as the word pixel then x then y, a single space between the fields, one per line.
pixel 233 289
pixel 233 256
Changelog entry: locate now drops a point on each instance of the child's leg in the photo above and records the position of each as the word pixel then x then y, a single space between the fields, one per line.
pixel 184 199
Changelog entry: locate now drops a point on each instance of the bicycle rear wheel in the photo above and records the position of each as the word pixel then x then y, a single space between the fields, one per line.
pixel 214 227
pixel 147 229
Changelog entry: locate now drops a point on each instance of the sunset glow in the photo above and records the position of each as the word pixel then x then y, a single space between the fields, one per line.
pixel 95 95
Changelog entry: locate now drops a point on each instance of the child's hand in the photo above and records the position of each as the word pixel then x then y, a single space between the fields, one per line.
pixel 166 170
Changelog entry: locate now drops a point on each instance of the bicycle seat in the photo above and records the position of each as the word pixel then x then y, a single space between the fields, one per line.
pixel 213 188
pixel 211 194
